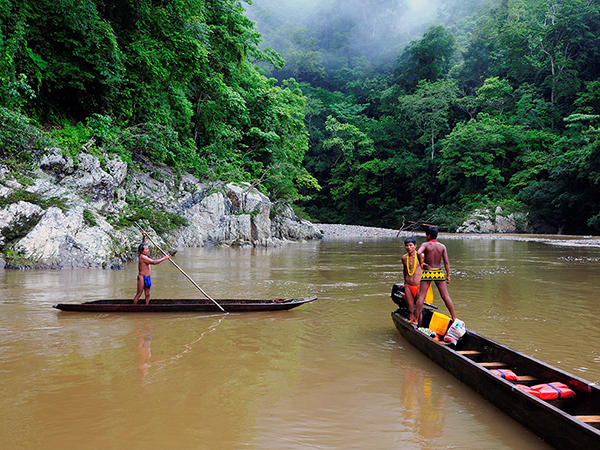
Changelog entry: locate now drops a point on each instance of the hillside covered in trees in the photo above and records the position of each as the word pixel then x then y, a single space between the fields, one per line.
pixel 373 112
pixel 431 113
pixel 175 81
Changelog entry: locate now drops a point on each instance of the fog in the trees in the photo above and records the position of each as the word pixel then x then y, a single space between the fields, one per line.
pixel 317 36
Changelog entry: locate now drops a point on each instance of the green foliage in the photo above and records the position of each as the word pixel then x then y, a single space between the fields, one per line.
pixel 36 199
pixel 89 218
pixel 429 108
pixel 427 59
pixel 494 95
pixel 139 212
pixel 495 102
pixel 15 259
pixel 173 81
pixel 19 137
pixel 70 137
pixel 352 147
pixel 473 156
pixel 18 229
pixel 506 117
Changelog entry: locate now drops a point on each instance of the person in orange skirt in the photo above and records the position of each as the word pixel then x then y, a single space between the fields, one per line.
pixel 412 276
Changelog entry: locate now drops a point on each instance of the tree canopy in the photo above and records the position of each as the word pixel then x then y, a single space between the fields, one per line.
pixel 176 80
pixel 372 112
pixel 487 103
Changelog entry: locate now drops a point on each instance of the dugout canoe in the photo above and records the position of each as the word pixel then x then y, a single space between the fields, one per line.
pixel 566 424
pixel 186 305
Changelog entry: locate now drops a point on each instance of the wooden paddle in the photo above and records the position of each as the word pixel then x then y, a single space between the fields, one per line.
pixel 181 270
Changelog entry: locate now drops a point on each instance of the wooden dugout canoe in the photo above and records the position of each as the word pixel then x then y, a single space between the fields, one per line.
pixel 185 305
pixel 568 423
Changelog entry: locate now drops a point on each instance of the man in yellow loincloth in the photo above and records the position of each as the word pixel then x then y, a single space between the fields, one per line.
pixel 433 253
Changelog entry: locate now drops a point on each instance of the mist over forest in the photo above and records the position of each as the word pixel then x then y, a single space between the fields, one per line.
pixel 318 37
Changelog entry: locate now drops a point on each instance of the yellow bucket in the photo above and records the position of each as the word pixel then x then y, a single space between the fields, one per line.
pixel 439 323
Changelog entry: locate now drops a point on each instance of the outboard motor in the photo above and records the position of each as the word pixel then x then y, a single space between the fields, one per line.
pixel 399 298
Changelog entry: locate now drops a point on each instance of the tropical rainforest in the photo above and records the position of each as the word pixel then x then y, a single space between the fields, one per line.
pixel 373 112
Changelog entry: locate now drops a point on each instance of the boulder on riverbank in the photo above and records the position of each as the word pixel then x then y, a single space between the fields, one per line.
pixel 83 213
pixel 487 220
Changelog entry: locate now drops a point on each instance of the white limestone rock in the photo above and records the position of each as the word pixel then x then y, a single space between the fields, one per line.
pixel 61 239
pixel 484 221
pixel 16 214
pixel 217 213
pixel 288 226
pixel 53 160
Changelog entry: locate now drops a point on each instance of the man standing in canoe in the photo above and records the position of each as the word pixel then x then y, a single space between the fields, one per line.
pixel 433 253
pixel 412 276
pixel 144 282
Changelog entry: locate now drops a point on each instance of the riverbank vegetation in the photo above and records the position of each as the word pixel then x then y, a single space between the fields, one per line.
pixel 174 81
pixel 359 111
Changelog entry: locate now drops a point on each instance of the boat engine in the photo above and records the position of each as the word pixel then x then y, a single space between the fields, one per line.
pixel 399 297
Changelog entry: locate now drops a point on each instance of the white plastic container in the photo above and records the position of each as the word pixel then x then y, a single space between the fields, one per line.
pixel 455 332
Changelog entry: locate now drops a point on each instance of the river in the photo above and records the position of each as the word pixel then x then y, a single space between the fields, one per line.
pixel 332 374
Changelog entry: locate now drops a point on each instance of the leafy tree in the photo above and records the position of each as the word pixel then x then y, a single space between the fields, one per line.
pixel 351 146
pixel 563 33
pixel 473 156
pixel 66 52
pixel 494 95
pixel 430 109
pixel 427 59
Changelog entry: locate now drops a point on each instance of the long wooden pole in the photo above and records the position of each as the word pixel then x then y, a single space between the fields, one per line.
pixel 181 270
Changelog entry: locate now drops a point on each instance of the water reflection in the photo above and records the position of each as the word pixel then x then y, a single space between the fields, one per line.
pixel 423 409
pixel 144 339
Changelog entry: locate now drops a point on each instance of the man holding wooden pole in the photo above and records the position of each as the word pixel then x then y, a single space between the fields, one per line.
pixel 144 282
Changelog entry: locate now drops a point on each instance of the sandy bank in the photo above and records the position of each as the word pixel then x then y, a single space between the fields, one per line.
pixel 333 231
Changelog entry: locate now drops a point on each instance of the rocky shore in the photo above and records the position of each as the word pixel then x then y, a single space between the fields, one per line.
pixel 357 232
pixel 85 211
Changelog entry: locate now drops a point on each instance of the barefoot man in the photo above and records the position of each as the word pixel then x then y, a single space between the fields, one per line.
pixel 433 253
pixel 144 282
pixel 412 276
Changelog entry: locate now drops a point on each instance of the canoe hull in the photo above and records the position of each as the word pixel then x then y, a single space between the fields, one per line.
pixel 548 419
pixel 185 305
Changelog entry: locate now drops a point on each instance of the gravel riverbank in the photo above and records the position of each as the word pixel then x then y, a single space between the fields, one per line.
pixel 334 232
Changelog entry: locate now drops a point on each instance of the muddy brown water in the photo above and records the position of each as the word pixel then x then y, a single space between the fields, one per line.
pixel 333 374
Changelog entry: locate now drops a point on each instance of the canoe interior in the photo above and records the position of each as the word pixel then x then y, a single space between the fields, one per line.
pixel 572 423
pixel 483 350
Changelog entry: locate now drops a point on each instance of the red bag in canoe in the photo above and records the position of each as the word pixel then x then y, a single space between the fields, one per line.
pixel 548 391
pixel 506 374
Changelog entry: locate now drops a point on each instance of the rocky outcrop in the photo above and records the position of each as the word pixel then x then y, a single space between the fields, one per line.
pixel 497 221
pixel 79 213
pixel 17 215
pixel 287 225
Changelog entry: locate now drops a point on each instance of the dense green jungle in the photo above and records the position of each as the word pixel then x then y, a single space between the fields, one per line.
pixel 372 112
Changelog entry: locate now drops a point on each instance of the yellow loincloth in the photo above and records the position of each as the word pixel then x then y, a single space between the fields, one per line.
pixel 433 275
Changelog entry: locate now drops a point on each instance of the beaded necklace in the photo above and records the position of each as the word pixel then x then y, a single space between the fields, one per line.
pixel 408 265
